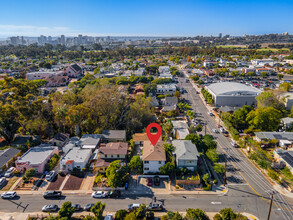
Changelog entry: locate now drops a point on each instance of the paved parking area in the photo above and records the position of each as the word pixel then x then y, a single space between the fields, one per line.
pixel 164 186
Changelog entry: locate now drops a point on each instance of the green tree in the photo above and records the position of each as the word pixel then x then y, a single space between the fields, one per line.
pixel 167 128
pixel 135 164
pixel 168 168
pixel 269 99
pixel 212 155
pixel 265 119
pixel 116 174
pixel 8 122
pixel 219 168
pixel 66 210
pixel 169 148
pixel 196 214
pixel 209 142
pixel 206 178
pixel 130 216
pixel 285 86
pixel 229 214
pixel 120 214
pixel 172 216
pixel 195 139
pixel 30 173
pixel 98 209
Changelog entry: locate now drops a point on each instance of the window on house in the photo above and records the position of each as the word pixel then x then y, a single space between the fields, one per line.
pixel 118 155
pixel 146 168
pixel 111 156
pixel 160 162
pixel 146 162
pixel 106 155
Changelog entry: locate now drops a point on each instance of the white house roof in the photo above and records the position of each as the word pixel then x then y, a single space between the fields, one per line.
pixel 229 88
pixel 37 155
pixel 179 124
pixel 77 155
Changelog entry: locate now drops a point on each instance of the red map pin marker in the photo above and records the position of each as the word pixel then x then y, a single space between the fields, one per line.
pixel 154 137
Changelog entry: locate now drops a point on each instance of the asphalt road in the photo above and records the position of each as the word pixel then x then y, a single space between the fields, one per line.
pixel 245 203
pixel 254 181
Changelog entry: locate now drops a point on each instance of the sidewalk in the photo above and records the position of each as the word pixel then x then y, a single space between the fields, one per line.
pixel 24 216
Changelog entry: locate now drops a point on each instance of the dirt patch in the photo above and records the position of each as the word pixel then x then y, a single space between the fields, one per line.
pixel 11 181
pixel 73 183
pixel 27 186
pixel 56 184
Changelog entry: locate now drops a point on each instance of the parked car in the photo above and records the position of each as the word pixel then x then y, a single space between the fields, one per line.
pixel 219 126
pixel 114 194
pixel 215 131
pixel 133 206
pixel 150 181
pixel 50 208
pixel 156 180
pixel 2 181
pixel 88 207
pixel 9 172
pixel 226 134
pixel 8 195
pixel 233 144
pixel 108 217
pixel 210 114
pixel 99 194
pixel 51 175
pixel 77 207
pixel 52 194
pixel 155 207
pixel 222 130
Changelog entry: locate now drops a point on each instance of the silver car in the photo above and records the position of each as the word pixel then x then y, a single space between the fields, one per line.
pixel 8 195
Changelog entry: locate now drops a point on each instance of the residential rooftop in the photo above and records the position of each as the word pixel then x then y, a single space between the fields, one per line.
pixel 153 153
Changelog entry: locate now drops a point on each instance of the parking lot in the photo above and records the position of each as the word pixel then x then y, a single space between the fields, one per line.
pixel 144 188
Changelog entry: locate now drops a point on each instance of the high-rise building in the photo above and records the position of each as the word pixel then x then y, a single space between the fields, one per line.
pixel 220 35
pixel 62 40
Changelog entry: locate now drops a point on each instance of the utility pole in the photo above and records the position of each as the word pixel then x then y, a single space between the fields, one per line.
pixel 272 198
pixel 225 171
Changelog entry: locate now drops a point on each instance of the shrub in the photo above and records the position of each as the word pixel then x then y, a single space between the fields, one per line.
pixel 272 174
pixel 52 162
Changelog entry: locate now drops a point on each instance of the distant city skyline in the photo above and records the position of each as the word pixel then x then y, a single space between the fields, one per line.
pixel 162 18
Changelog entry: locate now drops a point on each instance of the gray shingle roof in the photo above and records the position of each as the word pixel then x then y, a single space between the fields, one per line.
pixel 7 154
pixel 114 134
pixel 287 156
pixel 275 135
pixel 185 150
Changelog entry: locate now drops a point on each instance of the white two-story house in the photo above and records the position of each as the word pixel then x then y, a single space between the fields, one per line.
pixel 153 157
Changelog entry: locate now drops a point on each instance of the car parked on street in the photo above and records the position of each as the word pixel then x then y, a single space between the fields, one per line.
pixel 8 195
pixel 210 114
pixel 215 131
pixel 155 207
pixel 133 206
pixel 9 172
pixel 108 217
pixel 51 175
pixel 98 194
pixel 88 207
pixel 52 194
pixel 77 207
pixel 114 194
pixel 234 144
pixel 2 181
pixel 50 208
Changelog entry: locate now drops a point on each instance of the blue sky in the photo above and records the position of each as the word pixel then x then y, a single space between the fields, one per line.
pixel 145 18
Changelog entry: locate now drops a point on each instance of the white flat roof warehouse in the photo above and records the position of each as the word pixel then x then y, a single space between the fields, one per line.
pixel 230 88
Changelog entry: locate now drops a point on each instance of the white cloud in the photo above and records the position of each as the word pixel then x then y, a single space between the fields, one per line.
pixel 30 30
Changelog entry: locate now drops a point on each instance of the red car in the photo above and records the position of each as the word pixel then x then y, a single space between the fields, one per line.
pixel 150 181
